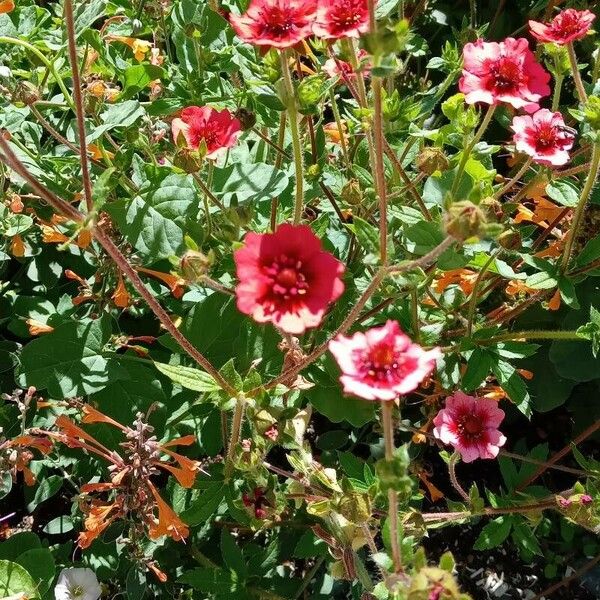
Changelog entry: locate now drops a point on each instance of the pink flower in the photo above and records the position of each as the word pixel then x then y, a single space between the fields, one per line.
pixel 334 67
pixel 338 19
pixel 287 278
pixel 275 23
pixel 503 72
pixel 567 26
pixel 544 137
pixel 470 425
pixel 382 363
pixel 217 129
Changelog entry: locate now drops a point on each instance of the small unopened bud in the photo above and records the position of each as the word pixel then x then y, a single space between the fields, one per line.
pixel 310 93
pixel 26 93
pixel 246 117
pixel 190 162
pixel 464 220
pixel 351 193
pixel 195 265
pixel 432 159
pixel 591 112
pixel 510 240
pixel 586 499
pixel 313 172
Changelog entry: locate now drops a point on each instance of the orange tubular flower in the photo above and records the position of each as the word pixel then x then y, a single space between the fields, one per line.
pixel 168 522
pixel 6 6
pixel 464 278
pixel 175 283
pixel 37 327
pixel 121 296
pixel 17 246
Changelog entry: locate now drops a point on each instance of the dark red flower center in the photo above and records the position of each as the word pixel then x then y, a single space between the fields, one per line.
pixel 565 25
pixel 286 276
pixel 470 426
pixel 381 364
pixel 345 15
pixel 506 74
pixel 277 23
pixel 546 137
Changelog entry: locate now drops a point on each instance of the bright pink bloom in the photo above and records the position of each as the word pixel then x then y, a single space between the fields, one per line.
pixel 544 137
pixel 503 72
pixel 218 129
pixel 567 26
pixel 275 23
pixel 334 67
pixel 470 425
pixel 287 278
pixel 382 363
pixel 338 19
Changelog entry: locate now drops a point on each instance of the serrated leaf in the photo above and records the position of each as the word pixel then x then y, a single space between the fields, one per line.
pixel 563 192
pixel 493 534
pixel 232 555
pixel 188 377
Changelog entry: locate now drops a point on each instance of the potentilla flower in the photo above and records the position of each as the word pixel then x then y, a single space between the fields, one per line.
pixel 335 67
pixel 382 363
pixel 219 130
pixel 286 278
pixel 275 23
pixel 338 19
pixel 567 26
pixel 544 137
pixel 470 426
pixel 503 72
pixel 77 584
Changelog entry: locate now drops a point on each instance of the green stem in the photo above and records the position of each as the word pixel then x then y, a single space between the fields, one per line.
pixel 47 63
pixel 557 89
pixel 378 140
pixel 579 211
pixel 234 438
pixel 452 473
pixel 534 335
pixel 388 435
pixel 576 74
pixel 292 111
pixel 467 151
pixel 475 292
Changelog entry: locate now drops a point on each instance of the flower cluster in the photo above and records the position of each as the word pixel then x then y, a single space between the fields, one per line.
pixel 132 494
pixel 285 23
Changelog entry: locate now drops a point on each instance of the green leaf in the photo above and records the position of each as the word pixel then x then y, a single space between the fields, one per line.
pixel 249 182
pixel 367 234
pixel 513 385
pixel 47 488
pixel 523 536
pixel 212 581
pixel 232 555
pixel 59 525
pixel 39 563
pixel 541 281
pixel 15 545
pixel 154 222
pixel 136 584
pixel 205 505
pixel 14 579
pixel 310 545
pixel 69 361
pixel 423 237
pixel 137 77
pixel 479 366
pixel 188 377
pixel 589 253
pixel 493 534
pixel 563 192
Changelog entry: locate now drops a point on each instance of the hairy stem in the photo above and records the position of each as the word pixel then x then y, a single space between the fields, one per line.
pixel 454 480
pixel 387 408
pixel 576 74
pixel 467 151
pixel 509 186
pixel 292 111
pixel 580 209
pixel 234 438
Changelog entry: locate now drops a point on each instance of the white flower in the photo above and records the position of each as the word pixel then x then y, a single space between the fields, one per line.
pixel 77 584
pixel 5 71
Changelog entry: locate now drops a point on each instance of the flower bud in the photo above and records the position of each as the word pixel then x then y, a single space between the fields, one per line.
pixel 432 159
pixel 246 117
pixel 26 93
pixel 190 162
pixel 310 93
pixel 464 220
pixel 591 112
pixel 351 193
pixel 195 265
pixel 510 240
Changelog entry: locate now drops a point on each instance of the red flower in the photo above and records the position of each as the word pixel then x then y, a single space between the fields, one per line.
pixel 334 67
pixel 287 278
pixel 341 19
pixel 544 137
pixel 470 425
pixel 503 72
pixel 217 129
pixel 567 26
pixel 275 23
pixel 382 363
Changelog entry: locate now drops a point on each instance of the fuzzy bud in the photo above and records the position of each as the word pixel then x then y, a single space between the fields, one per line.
pixel 195 265
pixel 464 220
pixel 351 193
pixel 432 159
